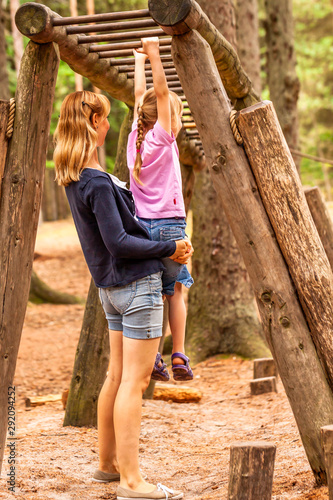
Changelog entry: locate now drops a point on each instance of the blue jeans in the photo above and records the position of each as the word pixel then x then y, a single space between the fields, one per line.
pixel 135 309
pixel 165 230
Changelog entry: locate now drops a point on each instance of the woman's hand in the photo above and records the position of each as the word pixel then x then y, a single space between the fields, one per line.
pixel 139 56
pixel 184 251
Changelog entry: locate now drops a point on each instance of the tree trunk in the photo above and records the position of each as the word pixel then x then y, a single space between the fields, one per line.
pixel 4 113
pixel 4 84
pixel 283 82
pixel 91 362
pixel 49 202
pixel 248 40
pixel 20 203
pixel 78 78
pixel 290 342
pixel 221 313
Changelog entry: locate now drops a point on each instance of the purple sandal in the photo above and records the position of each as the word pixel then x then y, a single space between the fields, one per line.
pixel 160 372
pixel 181 372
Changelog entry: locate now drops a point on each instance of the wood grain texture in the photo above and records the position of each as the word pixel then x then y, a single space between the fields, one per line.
pixel 4 113
pixel 20 202
pixel 322 219
pixel 283 320
pixel 251 471
pixel 264 367
pixel 327 443
pixel 263 385
pixel 282 194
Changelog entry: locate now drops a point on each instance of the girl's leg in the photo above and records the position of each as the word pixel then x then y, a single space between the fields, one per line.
pixel 106 435
pixel 177 320
pixel 138 361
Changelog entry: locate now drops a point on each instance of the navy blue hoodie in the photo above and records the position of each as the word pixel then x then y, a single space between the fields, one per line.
pixel 116 246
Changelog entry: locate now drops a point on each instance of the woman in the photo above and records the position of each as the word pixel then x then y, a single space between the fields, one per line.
pixel 126 267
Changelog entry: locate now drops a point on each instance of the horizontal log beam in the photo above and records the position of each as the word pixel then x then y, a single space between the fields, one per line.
pixel 171 71
pixel 95 18
pixel 120 36
pixel 134 44
pixel 97 28
pixel 130 61
pixel 181 16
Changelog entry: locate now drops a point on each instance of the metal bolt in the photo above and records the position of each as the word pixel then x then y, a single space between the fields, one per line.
pixel 285 322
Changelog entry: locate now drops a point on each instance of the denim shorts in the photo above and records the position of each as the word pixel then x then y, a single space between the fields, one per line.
pixel 135 309
pixel 165 230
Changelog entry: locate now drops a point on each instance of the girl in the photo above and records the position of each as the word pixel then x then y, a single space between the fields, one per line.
pixel 126 268
pixel 155 180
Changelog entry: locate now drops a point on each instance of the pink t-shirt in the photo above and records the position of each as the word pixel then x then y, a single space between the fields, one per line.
pixel 160 195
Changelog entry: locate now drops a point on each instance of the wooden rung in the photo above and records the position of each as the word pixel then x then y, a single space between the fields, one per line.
pixel 251 470
pixel 110 16
pixel 121 36
pixel 170 71
pixel 264 367
pixel 327 445
pixel 130 61
pixel 127 52
pixel 170 78
pixel 263 385
pixel 96 28
pixel 134 44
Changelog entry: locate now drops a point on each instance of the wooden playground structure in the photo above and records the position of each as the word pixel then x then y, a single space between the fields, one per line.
pixel 252 171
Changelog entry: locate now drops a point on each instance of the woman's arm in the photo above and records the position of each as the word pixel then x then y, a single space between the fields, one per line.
pixel 100 196
pixel 150 46
pixel 139 79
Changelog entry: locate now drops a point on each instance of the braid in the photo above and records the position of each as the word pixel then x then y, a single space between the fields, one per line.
pixel 138 159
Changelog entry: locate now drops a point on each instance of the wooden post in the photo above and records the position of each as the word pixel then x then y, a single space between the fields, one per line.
pixel 90 367
pixel 20 203
pixel 4 112
pixel 327 443
pixel 251 471
pixel 283 320
pixel 264 367
pixel 322 219
pixel 49 202
pixel 282 194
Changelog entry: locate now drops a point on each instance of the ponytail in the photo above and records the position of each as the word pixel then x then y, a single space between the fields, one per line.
pixel 138 158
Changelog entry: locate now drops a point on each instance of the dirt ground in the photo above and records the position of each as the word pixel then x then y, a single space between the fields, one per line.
pixel 185 446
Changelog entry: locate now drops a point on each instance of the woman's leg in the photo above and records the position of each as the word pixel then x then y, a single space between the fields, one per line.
pixel 106 435
pixel 177 320
pixel 138 361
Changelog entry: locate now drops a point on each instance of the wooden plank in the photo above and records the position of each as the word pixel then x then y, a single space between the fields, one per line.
pixel 283 197
pixel 251 470
pixel 20 203
pixel 322 219
pixel 283 321
pixel 4 112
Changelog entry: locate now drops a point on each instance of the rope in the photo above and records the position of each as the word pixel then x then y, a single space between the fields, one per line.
pixel 10 123
pixel 234 128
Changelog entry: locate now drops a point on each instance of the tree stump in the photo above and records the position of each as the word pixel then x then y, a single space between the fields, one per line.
pixel 322 219
pixel 263 385
pixel 264 367
pixel 327 444
pixel 251 471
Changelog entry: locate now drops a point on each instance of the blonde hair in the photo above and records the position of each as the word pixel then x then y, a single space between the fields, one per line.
pixel 147 117
pixel 75 136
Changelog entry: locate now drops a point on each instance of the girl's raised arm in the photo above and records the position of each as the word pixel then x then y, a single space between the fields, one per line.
pixel 150 46
pixel 139 79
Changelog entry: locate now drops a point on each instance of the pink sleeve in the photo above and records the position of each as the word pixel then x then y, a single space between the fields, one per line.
pixel 162 135
pixel 135 125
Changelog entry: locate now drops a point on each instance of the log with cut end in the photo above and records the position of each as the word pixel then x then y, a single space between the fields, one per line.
pixel 177 393
pixel 282 194
pixel 264 367
pixel 263 385
pixel 32 401
pixel 251 471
